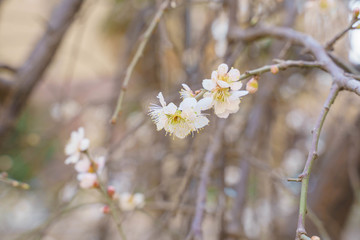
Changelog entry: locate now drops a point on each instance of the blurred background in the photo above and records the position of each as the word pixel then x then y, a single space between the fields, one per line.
pixel 77 82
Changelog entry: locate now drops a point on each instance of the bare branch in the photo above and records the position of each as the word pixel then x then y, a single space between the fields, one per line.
pixel 313 155
pixel 31 72
pixel 134 61
pixel 330 45
pixel 308 42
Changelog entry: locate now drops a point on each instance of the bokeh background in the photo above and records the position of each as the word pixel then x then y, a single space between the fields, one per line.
pixel 263 144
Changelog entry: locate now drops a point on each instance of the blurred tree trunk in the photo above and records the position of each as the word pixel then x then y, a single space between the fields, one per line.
pixel 30 73
pixel 332 196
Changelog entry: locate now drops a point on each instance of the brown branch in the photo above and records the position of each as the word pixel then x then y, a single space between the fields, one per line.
pixel 330 45
pixel 31 72
pixel 308 42
pixel 282 65
pixel 135 59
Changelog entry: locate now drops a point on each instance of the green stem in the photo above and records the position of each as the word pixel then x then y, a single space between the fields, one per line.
pixel 311 159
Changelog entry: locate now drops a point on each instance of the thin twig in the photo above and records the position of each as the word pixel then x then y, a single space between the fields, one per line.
pixel 330 45
pixel 137 56
pixel 313 155
pixel 14 183
pixel 281 65
pixel 102 189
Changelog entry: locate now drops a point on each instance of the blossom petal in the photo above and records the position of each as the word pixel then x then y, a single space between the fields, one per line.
pixel 235 85
pixel 87 180
pixel 222 69
pixel 186 87
pixel 139 200
pixel 81 133
pixel 208 84
pixel 170 109
pixel 204 104
pixel 220 107
pixel 237 94
pixel 223 115
pixel 201 122
pixel 161 99
pixel 234 75
pixel 72 158
pixel 223 84
pixel 84 144
pixel 83 165
pixel 187 103
pixel 71 148
pixel 214 75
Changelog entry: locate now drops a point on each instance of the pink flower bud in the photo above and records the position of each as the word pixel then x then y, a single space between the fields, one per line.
pixel 252 85
pixel 106 209
pixel 274 69
pixel 111 191
pixel 356 12
pixel 315 238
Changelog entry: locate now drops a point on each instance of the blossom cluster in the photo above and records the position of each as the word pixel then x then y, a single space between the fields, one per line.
pixel 89 169
pixel 221 92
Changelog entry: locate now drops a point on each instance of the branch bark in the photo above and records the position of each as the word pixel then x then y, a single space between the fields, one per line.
pixel 31 72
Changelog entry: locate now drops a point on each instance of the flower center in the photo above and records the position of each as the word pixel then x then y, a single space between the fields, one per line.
pixel 225 78
pixel 176 118
pixel 221 94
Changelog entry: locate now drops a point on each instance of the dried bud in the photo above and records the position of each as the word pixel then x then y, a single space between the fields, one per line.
pixel 106 209
pixel 15 183
pixel 96 184
pixel 111 191
pixel 252 85
pixel 25 186
pixel 315 238
pixel 356 12
pixel 274 69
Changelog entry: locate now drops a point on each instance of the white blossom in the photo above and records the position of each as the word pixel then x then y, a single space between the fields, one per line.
pixel 223 88
pixel 76 145
pixel 186 92
pixel 183 120
pixel 88 172
pixel 129 202
pixel 87 180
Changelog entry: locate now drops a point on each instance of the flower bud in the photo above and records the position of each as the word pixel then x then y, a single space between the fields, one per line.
pixel 274 69
pixel 15 183
pixel 356 12
pixel 315 238
pixel 111 191
pixel 105 209
pixel 252 85
pixel 96 184
pixel 25 186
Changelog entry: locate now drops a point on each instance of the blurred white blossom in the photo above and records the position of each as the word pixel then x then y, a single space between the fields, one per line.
pixel 88 171
pixel 219 30
pixel 129 202
pixel 76 145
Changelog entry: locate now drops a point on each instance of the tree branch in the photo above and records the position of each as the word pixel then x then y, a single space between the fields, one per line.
pixel 313 155
pixel 31 72
pixel 134 61
pixel 308 42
